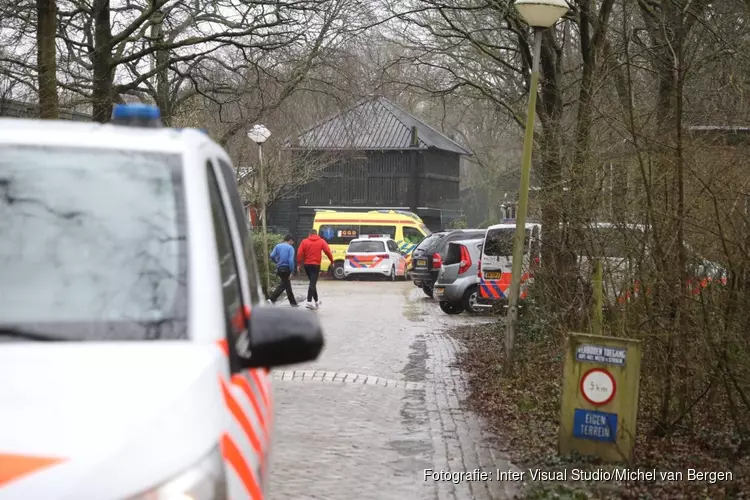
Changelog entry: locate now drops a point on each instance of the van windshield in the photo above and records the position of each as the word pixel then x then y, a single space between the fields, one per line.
pixel 500 242
pixel 92 244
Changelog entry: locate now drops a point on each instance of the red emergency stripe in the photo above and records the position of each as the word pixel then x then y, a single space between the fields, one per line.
pixel 244 385
pixel 263 393
pixel 497 289
pixel 233 455
pixel 224 346
pixel 489 291
pixel 360 264
pixel 236 410
pixel 15 467
pixel 231 452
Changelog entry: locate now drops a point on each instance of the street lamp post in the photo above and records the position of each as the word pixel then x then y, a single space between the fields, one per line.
pixel 539 14
pixel 258 134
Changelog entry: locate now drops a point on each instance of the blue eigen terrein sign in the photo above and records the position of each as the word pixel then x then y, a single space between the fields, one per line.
pixel 595 425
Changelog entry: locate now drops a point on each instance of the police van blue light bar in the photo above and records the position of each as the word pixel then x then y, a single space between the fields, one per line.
pixel 136 115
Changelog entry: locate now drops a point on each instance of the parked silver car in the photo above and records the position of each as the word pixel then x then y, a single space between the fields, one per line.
pixel 457 285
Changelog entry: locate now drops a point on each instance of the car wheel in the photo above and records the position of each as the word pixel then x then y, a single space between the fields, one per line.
pixel 428 291
pixel 451 308
pixel 470 300
pixel 338 271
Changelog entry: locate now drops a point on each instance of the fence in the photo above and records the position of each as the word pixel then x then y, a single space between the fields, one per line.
pixel 19 109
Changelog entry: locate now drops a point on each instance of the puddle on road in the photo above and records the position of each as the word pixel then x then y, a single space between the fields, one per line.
pixel 412 309
pixel 417 453
pixel 416 368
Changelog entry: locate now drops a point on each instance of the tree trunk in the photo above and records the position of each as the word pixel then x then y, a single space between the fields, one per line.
pixel 161 60
pixel 556 266
pixel 102 93
pixel 46 32
pixel 668 41
pixel 584 174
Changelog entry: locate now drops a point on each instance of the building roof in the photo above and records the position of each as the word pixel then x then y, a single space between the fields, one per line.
pixel 373 124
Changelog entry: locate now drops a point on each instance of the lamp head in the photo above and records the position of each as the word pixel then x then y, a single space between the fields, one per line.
pixel 541 13
pixel 259 134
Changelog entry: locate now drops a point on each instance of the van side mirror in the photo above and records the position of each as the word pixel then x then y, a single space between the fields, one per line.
pixel 283 336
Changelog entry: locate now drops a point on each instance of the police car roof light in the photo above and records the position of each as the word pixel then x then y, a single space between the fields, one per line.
pixel 137 114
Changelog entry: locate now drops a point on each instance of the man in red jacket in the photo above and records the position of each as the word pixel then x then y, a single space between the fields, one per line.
pixel 309 254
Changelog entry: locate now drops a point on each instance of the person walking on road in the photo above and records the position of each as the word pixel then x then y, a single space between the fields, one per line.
pixel 309 255
pixel 283 256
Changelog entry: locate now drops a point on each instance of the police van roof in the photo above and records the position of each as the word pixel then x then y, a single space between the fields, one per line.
pixel 529 225
pixel 97 135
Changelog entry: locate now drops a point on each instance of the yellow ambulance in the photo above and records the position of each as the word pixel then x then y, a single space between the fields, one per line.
pixel 339 228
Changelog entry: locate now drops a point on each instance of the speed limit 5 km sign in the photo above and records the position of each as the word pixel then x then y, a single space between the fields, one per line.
pixel 598 386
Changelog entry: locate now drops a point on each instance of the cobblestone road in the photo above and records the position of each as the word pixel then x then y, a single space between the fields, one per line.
pixel 381 404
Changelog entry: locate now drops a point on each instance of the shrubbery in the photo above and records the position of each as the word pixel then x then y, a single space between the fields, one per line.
pixel 273 240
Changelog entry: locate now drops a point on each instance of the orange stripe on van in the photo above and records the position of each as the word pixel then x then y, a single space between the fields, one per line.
pixel 14 467
pixel 224 346
pixel 239 414
pixel 244 386
pixel 233 455
pixel 261 386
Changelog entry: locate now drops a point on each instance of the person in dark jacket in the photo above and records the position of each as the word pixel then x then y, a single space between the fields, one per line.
pixel 283 256
pixel 309 255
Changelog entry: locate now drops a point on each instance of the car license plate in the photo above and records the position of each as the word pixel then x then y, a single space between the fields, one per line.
pixel 493 275
pixel 422 262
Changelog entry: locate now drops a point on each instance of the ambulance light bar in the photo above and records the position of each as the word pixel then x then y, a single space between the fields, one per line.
pixel 136 115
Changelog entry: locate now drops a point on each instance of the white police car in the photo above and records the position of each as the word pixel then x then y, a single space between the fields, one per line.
pixel 133 355
pixel 374 255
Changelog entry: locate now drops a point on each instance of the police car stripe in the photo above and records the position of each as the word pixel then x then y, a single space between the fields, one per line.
pixel 262 409
pixel 251 408
pixel 234 456
pixel 240 415
pixel 245 444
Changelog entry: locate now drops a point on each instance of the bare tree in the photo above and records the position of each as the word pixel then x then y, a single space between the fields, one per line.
pixel 46 32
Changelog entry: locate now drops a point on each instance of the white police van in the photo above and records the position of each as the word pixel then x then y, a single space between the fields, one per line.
pixel 133 354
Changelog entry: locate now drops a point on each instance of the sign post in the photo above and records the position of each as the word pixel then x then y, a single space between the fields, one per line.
pixel 600 396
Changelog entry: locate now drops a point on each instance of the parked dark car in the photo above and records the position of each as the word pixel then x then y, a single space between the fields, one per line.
pixel 428 257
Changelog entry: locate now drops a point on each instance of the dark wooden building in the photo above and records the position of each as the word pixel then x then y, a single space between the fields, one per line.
pixel 386 159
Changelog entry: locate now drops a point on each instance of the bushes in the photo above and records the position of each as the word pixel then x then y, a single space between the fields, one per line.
pixel 273 240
